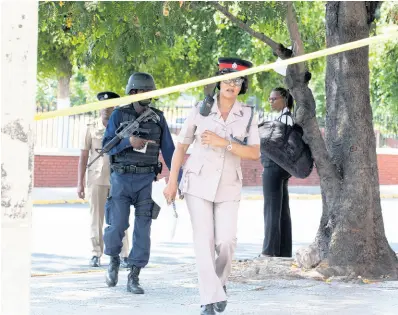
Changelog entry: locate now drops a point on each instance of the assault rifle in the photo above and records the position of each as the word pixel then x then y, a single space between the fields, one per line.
pixel 128 129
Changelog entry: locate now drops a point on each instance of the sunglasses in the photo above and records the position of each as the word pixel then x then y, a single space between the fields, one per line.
pixel 273 99
pixel 138 91
pixel 236 81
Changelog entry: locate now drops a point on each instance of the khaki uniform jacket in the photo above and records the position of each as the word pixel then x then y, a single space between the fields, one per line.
pixel 99 172
pixel 210 173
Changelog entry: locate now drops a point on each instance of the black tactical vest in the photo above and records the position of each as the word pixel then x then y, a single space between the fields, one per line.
pixel 131 157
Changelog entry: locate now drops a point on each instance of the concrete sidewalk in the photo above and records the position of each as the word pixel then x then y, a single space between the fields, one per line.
pixel 174 290
pixel 62 283
pixel 53 195
pixel 60 239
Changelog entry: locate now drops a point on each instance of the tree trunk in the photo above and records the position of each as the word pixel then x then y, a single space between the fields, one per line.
pixel 296 80
pixel 358 244
pixel 63 92
pixel 19 42
pixel 63 101
pixel 305 117
pixel 350 240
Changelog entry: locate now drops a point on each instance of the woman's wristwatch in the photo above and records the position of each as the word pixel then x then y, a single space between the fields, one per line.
pixel 229 146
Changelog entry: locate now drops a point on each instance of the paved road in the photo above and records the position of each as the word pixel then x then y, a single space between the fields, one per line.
pixel 173 290
pixel 60 243
pixel 60 240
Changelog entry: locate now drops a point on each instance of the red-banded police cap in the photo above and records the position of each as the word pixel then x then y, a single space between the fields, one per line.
pixel 233 64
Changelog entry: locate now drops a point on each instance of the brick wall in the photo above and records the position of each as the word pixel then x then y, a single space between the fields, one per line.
pixel 392 143
pixel 388 169
pixel 252 174
pixel 55 171
pixel 61 171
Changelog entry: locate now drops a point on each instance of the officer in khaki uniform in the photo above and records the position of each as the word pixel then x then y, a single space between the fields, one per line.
pixel 98 182
pixel 212 179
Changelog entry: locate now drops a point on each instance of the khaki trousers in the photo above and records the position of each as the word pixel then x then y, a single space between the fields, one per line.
pixel 97 199
pixel 214 231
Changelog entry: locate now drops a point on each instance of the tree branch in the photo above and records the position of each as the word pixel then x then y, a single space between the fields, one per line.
pixel 297 43
pixel 291 21
pixel 372 7
pixel 274 45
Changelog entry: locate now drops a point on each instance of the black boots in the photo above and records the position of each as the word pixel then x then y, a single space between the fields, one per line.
pixel 220 306
pixel 113 271
pixel 95 261
pixel 207 309
pixel 133 284
pixel 124 263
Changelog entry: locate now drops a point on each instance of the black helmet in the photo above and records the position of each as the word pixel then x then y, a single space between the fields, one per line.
pixel 140 81
pixel 228 65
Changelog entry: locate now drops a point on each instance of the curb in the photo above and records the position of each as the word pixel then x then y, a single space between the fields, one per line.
pixel 311 197
pixel 57 202
pixel 247 197
pixel 66 273
pixel 102 268
pixel 291 196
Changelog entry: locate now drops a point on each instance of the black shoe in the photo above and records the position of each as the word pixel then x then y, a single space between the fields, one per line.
pixel 95 261
pixel 133 284
pixel 113 271
pixel 124 263
pixel 220 306
pixel 207 309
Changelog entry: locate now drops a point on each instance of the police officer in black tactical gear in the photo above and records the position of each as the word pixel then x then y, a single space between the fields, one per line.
pixel 134 166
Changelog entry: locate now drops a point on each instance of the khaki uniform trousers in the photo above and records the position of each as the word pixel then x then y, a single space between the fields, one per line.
pixel 214 227
pixel 97 200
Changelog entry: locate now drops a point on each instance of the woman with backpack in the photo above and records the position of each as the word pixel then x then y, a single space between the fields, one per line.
pixel 277 221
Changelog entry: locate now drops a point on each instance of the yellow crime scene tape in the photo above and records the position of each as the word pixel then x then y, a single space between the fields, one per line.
pixel 389 34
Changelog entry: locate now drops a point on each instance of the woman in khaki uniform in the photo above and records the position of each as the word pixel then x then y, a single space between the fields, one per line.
pixel 212 180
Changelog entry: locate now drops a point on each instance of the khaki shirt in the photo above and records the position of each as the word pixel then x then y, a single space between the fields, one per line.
pixel 215 174
pixel 99 172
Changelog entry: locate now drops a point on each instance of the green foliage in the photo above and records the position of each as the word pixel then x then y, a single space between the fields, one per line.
pixel 384 73
pixel 110 40
pixel 59 24
pixel 46 96
pixel 79 90
pixel 103 42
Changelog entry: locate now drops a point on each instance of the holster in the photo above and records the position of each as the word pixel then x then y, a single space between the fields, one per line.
pixel 155 210
pixel 158 170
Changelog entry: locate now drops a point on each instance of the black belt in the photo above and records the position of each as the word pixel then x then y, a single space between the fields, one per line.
pixel 121 169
